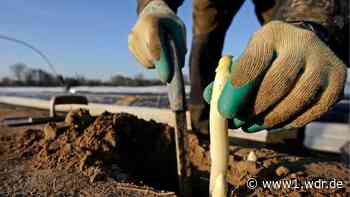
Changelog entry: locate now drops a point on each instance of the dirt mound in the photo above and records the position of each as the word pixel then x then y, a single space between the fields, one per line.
pixel 120 146
pixel 28 143
pixel 87 154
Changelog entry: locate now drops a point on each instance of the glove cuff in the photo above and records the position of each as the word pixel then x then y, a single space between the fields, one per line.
pixel 330 37
pixel 331 15
pixel 318 29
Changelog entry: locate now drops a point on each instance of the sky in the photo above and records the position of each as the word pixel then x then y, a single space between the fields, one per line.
pixel 89 38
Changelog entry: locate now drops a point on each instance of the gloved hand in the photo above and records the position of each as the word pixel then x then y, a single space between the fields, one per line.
pixel 285 78
pixel 149 38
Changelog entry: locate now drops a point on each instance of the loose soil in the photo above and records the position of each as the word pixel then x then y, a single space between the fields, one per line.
pixel 122 155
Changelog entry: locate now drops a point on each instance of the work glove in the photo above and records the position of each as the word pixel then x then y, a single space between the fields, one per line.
pixel 149 39
pixel 285 78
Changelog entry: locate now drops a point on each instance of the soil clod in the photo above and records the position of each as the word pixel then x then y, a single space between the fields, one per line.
pixel 282 171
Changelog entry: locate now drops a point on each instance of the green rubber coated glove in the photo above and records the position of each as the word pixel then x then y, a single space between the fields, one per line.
pixel 149 40
pixel 232 98
pixel 207 97
pixel 285 78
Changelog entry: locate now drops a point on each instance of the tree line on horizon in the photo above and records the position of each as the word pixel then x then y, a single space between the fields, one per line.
pixel 23 75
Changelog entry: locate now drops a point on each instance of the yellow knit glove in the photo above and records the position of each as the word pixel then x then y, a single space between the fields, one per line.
pixel 285 78
pixel 150 37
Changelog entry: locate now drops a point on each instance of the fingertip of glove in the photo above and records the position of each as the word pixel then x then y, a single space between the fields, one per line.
pixel 208 92
pixel 162 65
pixel 233 98
pixel 228 104
pixel 254 128
pixel 237 123
pixel 163 73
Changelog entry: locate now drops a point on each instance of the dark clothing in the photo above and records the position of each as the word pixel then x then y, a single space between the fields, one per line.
pixel 211 19
pixel 332 15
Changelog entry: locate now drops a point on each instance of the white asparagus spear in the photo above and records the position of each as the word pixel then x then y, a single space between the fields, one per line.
pixel 252 156
pixel 218 133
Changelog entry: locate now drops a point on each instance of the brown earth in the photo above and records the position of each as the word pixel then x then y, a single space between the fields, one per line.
pixel 122 155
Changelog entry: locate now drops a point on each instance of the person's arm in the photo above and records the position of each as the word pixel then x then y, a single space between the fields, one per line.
pixel 173 4
pixel 329 19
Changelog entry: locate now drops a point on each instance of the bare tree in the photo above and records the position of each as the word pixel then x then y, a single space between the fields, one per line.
pixel 19 70
pixel 139 76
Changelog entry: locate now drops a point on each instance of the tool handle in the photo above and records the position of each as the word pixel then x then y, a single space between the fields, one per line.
pixel 176 87
pixel 177 100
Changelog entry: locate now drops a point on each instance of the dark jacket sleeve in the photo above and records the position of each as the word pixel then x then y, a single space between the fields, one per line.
pixel 329 19
pixel 173 4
